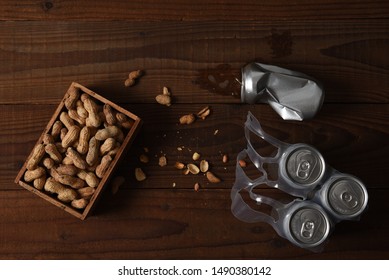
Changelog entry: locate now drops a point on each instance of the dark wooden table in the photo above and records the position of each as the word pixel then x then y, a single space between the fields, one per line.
pixel 46 45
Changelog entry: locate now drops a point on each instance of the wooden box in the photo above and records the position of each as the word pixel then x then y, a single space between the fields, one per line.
pixel 129 132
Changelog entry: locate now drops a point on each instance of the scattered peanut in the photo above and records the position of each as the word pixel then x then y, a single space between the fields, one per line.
pixel 225 158
pixel 187 119
pixel 164 98
pixel 139 174
pixel 162 161
pixel 195 156
pixel 196 187
pixel 143 158
pixel 165 91
pixel 132 77
pixel 212 178
pixel 193 168
pixel 204 165
pixel 179 165
pixel 204 113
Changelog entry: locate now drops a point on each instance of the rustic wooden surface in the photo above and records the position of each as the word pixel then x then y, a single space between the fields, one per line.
pixel 45 45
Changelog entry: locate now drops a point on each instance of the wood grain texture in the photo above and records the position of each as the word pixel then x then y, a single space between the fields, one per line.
pixel 182 10
pixel 197 50
pixel 350 137
pixel 170 224
pixel 40 59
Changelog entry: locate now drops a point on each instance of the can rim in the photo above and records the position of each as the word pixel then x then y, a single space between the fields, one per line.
pixel 307 205
pixel 283 168
pixel 335 178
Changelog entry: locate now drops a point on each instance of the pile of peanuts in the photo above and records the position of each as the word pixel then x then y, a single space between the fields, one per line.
pixel 79 149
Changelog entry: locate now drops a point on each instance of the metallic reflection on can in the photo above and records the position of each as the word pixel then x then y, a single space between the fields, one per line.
pixel 304 165
pixel 323 195
pixel 309 226
pixel 347 196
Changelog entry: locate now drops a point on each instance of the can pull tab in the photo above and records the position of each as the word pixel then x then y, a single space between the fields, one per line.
pixel 306 163
pixel 349 199
pixel 307 229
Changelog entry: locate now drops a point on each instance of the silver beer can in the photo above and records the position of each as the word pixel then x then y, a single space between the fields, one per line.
pixel 303 165
pixel 346 196
pixel 309 226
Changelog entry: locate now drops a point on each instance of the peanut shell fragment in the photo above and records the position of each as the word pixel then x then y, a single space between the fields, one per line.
pixel 139 174
pixel 204 113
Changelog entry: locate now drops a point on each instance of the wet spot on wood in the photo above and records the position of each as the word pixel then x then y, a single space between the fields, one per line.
pixel 223 80
pixel 47 5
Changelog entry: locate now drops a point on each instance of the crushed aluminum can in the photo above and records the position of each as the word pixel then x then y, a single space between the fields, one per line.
pixel 293 95
pixel 322 195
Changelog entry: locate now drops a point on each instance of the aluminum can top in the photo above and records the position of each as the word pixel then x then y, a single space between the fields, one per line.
pixel 309 226
pixel 304 165
pixel 347 196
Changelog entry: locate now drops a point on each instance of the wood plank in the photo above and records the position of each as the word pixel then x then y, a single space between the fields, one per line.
pixel 40 60
pixel 182 10
pixel 171 224
pixel 352 138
